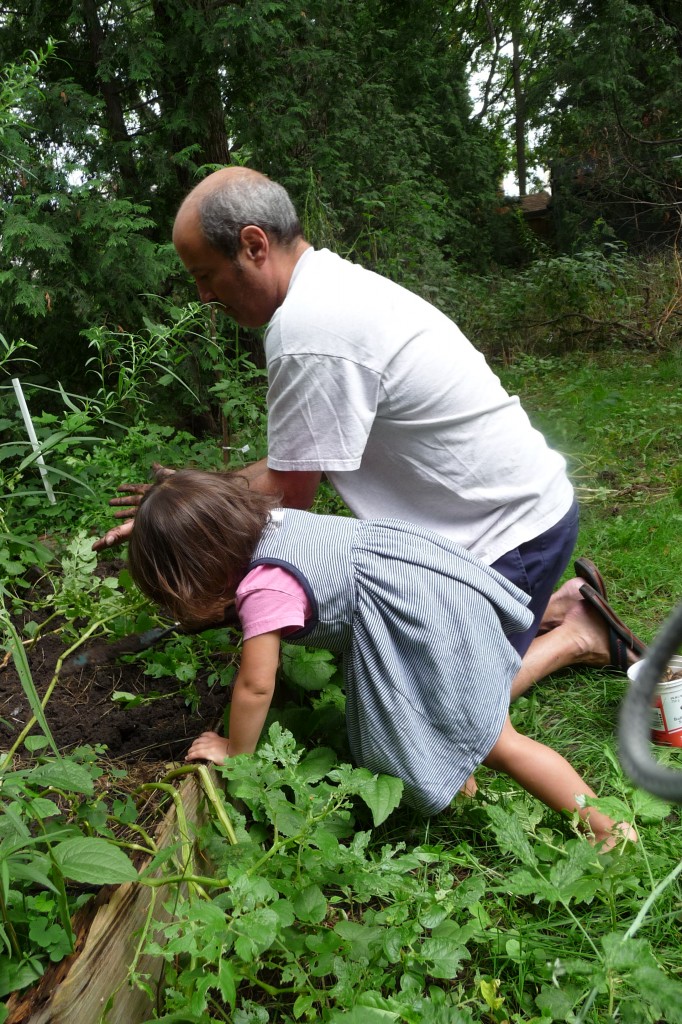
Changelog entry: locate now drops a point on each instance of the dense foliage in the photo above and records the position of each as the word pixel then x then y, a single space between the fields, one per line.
pixel 391 123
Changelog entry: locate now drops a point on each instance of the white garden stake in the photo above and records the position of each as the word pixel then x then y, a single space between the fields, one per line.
pixel 33 439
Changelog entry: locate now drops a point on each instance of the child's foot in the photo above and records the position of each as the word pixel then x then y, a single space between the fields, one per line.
pixel 208 747
pixel 469 788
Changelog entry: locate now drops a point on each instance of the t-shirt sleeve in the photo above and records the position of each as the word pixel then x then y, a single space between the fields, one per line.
pixel 271 598
pixel 320 412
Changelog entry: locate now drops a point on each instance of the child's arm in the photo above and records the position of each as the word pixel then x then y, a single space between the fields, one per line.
pixel 251 698
pixel 549 777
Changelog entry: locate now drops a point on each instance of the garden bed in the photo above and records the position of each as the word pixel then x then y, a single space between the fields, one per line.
pixel 91 984
pixel 132 743
pixel 81 709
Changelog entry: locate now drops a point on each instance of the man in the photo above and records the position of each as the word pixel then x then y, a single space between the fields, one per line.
pixel 375 388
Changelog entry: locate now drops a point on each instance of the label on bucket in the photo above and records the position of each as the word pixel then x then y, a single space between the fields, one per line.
pixel 657 723
pixel 669 706
pixel 666 709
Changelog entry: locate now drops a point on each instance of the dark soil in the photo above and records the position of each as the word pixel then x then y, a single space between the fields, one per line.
pixel 81 711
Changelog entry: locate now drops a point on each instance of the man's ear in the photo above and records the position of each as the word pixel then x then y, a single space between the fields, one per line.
pixel 255 244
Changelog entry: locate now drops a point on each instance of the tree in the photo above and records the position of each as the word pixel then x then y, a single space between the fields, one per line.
pixel 361 109
pixel 616 134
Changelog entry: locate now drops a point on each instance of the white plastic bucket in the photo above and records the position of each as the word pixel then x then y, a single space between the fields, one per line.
pixel 666 708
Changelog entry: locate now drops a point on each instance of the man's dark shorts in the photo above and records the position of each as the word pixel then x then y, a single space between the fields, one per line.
pixel 537 567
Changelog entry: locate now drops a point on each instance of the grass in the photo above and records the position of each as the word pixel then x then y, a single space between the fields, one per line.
pixel 540 951
pixel 617 418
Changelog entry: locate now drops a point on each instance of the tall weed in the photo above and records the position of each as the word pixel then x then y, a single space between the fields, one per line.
pixel 592 300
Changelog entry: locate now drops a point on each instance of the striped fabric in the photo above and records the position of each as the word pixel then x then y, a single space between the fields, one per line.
pixel 421 625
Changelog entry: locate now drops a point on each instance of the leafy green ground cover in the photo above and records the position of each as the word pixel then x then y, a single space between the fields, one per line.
pixel 327 901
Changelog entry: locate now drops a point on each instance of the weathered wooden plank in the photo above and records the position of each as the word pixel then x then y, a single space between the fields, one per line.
pixel 77 990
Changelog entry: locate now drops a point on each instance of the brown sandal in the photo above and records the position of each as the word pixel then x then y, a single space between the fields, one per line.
pixel 621 639
pixel 588 571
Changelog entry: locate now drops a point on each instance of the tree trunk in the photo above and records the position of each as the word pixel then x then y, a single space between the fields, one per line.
pixel 111 94
pixel 519 114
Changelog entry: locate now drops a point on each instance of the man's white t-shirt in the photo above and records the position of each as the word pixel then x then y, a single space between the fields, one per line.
pixel 383 393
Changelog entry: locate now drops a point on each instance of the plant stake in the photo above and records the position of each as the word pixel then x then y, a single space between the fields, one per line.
pixel 35 444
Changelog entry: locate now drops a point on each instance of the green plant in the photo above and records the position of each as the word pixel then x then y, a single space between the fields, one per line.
pixel 43 850
pixel 212 652
pixel 589 300
pixel 309 915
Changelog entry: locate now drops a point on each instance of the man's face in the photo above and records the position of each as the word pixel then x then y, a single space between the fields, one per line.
pixel 239 286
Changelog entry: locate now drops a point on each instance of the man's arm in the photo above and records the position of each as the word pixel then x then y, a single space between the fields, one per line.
pixel 295 489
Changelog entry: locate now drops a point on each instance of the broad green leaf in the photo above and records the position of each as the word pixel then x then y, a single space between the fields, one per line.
pixel 626 954
pixel 227 982
pixel 648 807
pixel 285 913
pixel 316 764
pixel 14 977
pixel 568 874
pixel 34 871
pixel 257 931
pixel 64 774
pixel 360 938
pixel 310 905
pixel 509 834
pixel 559 1003
pixel 443 958
pixel 94 861
pixel 662 991
pixel 302 1005
pixel 34 743
pixel 309 669
pixel 288 819
pixel 382 795
pixel 526 883
pixel 364 1015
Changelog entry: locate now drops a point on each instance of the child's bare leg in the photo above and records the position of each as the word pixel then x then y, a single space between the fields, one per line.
pixel 549 777
pixel 208 747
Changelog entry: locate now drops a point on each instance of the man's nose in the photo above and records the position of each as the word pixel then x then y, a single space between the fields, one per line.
pixel 206 294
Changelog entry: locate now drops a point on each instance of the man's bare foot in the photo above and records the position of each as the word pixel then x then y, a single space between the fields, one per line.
pixel 560 602
pixel 588 632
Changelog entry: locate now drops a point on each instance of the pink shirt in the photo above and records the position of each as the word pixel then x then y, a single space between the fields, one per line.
pixel 271 598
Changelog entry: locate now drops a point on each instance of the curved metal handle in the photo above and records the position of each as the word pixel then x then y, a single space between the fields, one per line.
pixel 634 723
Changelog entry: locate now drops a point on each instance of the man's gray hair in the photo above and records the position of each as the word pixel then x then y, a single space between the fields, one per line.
pixel 257 200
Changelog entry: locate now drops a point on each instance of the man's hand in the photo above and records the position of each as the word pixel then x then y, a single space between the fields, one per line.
pixel 112 538
pixel 135 493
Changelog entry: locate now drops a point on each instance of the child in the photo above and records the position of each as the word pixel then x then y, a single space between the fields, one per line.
pixel 420 622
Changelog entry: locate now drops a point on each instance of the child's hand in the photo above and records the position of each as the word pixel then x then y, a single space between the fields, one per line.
pixel 617 834
pixel 209 747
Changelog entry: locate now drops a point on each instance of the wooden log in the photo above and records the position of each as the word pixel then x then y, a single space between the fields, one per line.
pixel 78 989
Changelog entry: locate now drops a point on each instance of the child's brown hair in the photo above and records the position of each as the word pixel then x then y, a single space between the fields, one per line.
pixel 193 538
